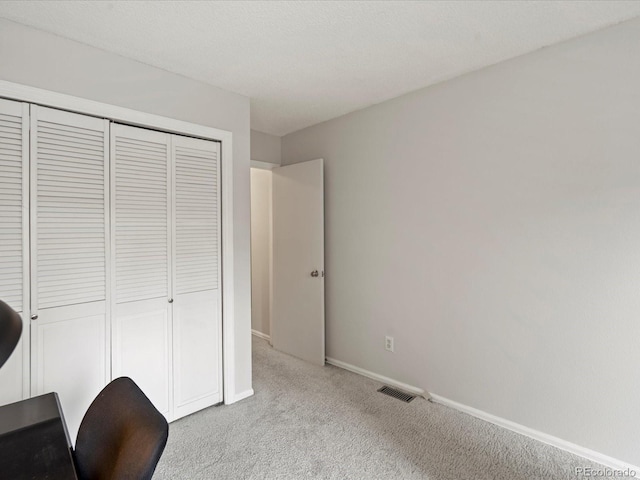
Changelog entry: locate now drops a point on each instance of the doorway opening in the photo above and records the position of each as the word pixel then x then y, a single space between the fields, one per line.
pixel 261 249
pixel 287 257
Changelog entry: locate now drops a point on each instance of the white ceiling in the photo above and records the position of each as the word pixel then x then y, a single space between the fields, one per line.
pixel 305 62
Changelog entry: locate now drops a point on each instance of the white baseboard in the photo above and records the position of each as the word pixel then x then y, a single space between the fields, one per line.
pixel 374 376
pixel 260 335
pixel 242 395
pixel 583 452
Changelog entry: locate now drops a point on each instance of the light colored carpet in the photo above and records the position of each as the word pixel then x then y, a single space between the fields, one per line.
pixel 309 422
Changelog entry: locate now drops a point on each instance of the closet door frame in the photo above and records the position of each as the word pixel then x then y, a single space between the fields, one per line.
pixel 23 93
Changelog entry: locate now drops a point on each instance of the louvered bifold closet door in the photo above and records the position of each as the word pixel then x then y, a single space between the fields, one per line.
pixel 142 271
pixel 14 239
pixel 197 328
pixel 69 256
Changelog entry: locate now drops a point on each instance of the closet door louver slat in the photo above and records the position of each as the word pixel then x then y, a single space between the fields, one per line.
pixel 197 218
pixel 69 177
pixel 141 215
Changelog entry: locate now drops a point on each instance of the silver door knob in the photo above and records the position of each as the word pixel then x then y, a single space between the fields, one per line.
pixel 34 317
pixel 170 300
pixel 315 273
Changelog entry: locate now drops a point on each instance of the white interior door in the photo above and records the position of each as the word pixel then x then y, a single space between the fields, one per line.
pixel 298 261
pixel 141 211
pixel 14 240
pixel 69 251
pixel 197 325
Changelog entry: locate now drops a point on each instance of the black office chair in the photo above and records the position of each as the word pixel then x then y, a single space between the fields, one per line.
pixel 122 435
pixel 10 331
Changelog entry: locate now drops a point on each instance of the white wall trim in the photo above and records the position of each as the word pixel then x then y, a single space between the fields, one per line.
pixel 243 395
pixel 128 116
pixel 374 376
pixel 263 165
pixel 583 452
pixel 270 265
pixel 261 335
pixel 228 277
pixel 85 106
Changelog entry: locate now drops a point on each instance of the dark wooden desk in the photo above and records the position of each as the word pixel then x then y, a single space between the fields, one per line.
pixel 34 443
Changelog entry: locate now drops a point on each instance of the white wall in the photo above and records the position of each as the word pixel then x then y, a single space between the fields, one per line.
pixel 491 224
pixel 39 59
pixel 261 250
pixel 265 147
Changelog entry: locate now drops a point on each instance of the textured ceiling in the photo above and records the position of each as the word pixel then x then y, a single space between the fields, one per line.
pixel 305 62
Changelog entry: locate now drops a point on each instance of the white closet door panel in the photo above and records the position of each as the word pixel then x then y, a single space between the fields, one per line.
pixel 69 255
pixel 12 377
pixel 69 180
pixel 141 242
pixel 141 213
pixel 143 353
pixel 197 328
pixel 14 240
pixel 197 217
pixel 14 201
pixel 197 356
pixel 70 357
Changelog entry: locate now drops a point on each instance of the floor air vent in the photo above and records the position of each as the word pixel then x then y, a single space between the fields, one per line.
pixel 392 392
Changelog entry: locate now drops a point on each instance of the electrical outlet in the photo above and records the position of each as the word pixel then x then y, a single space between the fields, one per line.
pixel 388 343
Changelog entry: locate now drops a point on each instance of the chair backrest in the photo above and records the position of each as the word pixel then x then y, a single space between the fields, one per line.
pixel 10 331
pixel 122 435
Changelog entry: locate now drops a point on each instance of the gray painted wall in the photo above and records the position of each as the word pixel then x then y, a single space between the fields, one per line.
pixel 32 57
pixel 265 147
pixel 491 224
